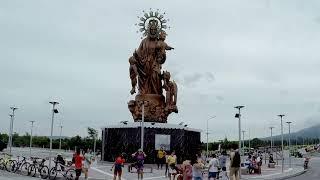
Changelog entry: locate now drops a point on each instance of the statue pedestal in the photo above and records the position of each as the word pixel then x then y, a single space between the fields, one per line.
pixel 154 109
pixel 126 138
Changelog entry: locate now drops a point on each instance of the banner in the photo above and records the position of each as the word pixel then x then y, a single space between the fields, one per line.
pixel 162 141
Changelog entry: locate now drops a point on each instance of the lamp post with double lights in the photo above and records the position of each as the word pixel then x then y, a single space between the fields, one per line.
pixel 11 127
pixel 282 163
pixel 289 123
pixel 207 153
pixel 54 111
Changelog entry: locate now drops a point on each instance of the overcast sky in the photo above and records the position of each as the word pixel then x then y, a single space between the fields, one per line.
pixel 263 54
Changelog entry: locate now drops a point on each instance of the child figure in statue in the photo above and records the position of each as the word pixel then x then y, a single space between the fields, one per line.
pixel 162 47
pixel 133 73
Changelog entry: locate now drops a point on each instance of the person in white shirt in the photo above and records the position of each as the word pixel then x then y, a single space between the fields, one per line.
pixel 213 168
pixel 88 158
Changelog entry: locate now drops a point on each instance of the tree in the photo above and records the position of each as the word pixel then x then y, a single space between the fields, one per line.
pixel 4 138
pixel 93 133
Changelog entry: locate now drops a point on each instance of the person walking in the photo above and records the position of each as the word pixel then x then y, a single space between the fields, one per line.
pixel 222 163
pixel 87 162
pixel 197 170
pixel 161 157
pixel 172 161
pixel 139 156
pixel 213 167
pixel 235 164
pixel 78 163
pixel 118 165
pixel 167 166
pixel 186 170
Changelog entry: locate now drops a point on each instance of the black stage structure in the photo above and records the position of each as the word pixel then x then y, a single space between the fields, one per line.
pixel 126 138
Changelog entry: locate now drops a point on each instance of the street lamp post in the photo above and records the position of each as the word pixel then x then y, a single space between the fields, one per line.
pixel 289 123
pixel 282 163
pixel 249 141
pixel 54 103
pixel 243 140
pixel 271 139
pixel 142 125
pixel 238 115
pixel 11 127
pixel 31 136
pixel 207 153
pixel 10 134
pixel 95 142
pixel 60 136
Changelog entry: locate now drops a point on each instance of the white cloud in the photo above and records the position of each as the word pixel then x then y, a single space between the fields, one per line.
pixel 263 54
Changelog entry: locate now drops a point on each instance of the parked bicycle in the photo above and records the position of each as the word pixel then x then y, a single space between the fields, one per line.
pixel 38 166
pixel 69 174
pixel 22 166
pixel 6 163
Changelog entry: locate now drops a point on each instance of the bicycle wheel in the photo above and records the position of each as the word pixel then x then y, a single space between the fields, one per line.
pixel 44 172
pixel 32 170
pixel 53 173
pixel 11 165
pixel 24 169
pixel 1 164
pixel 70 174
pixel 16 167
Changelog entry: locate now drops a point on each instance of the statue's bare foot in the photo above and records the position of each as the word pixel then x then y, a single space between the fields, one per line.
pixel 132 91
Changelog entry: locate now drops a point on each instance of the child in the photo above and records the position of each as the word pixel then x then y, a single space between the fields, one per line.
pixel 78 163
pixel 162 47
pixel 118 165
pixel 133 71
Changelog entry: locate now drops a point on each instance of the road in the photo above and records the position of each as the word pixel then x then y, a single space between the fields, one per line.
pixel 313 173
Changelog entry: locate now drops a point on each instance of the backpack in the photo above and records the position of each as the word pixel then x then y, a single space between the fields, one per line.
pixel 236 160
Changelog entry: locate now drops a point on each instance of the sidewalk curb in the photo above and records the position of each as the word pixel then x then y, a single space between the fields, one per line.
pixel 280 178
pixel 292 175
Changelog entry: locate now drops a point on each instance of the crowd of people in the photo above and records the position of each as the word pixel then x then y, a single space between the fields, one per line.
pixel 215 166
pixel 254 162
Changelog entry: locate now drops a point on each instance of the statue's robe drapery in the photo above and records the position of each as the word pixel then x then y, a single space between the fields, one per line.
pixel 149 70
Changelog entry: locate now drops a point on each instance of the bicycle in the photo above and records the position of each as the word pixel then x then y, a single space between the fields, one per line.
pixel 37 166
pixel 22 165
pixel 70 174
pixel 6 163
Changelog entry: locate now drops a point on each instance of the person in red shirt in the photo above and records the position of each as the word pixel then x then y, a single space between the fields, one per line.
pixel 118 165
pixel 78 163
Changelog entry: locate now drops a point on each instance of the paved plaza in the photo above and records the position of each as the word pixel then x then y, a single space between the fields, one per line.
pixel 102 170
